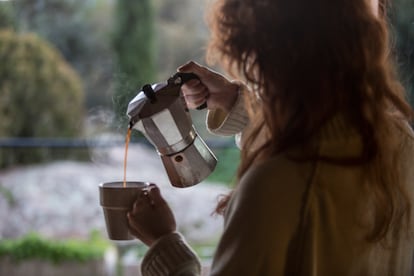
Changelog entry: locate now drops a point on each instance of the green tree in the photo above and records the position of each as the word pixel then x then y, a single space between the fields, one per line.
pixel 80 30
pixel 40 95
pixel 7 20
pixel 133 41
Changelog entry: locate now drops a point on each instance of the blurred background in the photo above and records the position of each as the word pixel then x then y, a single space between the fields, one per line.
pixel 68 69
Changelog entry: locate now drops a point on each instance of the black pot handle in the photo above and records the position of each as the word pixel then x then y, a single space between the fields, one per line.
pixel 180 78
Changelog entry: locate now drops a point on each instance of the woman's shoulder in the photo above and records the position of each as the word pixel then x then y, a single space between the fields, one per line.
pixel 276 179
pixel 269 196
pixel 279 168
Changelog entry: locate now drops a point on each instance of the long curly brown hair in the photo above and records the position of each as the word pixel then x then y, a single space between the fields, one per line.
pixel 307 61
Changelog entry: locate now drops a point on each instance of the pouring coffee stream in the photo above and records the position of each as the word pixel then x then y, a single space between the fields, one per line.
pixel 127 139
pixel 160 113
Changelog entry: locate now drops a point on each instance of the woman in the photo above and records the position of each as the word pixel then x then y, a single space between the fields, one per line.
pixel 324 185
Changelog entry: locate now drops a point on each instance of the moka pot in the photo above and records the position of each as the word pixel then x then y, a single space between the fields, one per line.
pixel 160 113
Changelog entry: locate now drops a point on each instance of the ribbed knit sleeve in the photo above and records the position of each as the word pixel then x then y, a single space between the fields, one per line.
pixel 227 124
pixel 172 256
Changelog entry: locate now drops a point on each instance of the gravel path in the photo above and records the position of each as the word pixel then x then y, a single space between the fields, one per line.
pixel 60 199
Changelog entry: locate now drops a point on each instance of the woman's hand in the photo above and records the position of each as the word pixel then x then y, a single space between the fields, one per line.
pixel 151 217
pixel 212 87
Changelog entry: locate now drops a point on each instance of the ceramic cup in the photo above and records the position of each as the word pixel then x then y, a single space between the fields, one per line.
pixel 116 201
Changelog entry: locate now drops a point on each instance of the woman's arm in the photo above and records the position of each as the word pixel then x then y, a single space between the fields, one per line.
pixel 171 255
pixel 233 121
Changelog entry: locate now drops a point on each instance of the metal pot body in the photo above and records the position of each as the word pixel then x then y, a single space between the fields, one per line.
pixel 186 157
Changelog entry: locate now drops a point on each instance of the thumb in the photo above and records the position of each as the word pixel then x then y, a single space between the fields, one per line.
pixel 155 194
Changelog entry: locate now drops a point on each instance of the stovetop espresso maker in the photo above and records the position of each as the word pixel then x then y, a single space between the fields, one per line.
pixel 160 113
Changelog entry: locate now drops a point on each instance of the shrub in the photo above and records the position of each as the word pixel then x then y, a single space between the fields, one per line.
pixel 40 95
pixel 32 246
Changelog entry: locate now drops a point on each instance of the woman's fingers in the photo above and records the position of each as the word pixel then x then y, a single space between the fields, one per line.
pixel 212 87
pixel 195 93
pixel 150 216
pixel 141 202
pixel 134 228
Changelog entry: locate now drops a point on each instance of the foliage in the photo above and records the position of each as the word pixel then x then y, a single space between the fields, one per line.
pixel 40 95
pixel 7 195
pixel 226 168
pixel 80 31
pixel 33 246
pixel 205 251
pixel 133 41
pixel 7 20
pixel 181 34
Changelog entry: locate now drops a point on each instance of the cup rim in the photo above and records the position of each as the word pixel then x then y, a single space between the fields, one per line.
pixel 119 184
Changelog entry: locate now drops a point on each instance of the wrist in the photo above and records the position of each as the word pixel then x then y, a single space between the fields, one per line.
pixel 169 255
pixel 232 94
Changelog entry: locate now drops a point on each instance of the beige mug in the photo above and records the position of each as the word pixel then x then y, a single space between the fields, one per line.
pixel 116 201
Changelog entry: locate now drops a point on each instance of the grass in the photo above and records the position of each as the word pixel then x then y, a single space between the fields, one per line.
pixel 33 246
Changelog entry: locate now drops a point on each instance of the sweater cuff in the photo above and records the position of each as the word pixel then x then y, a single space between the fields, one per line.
pixel 227 124
pixel 170 255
